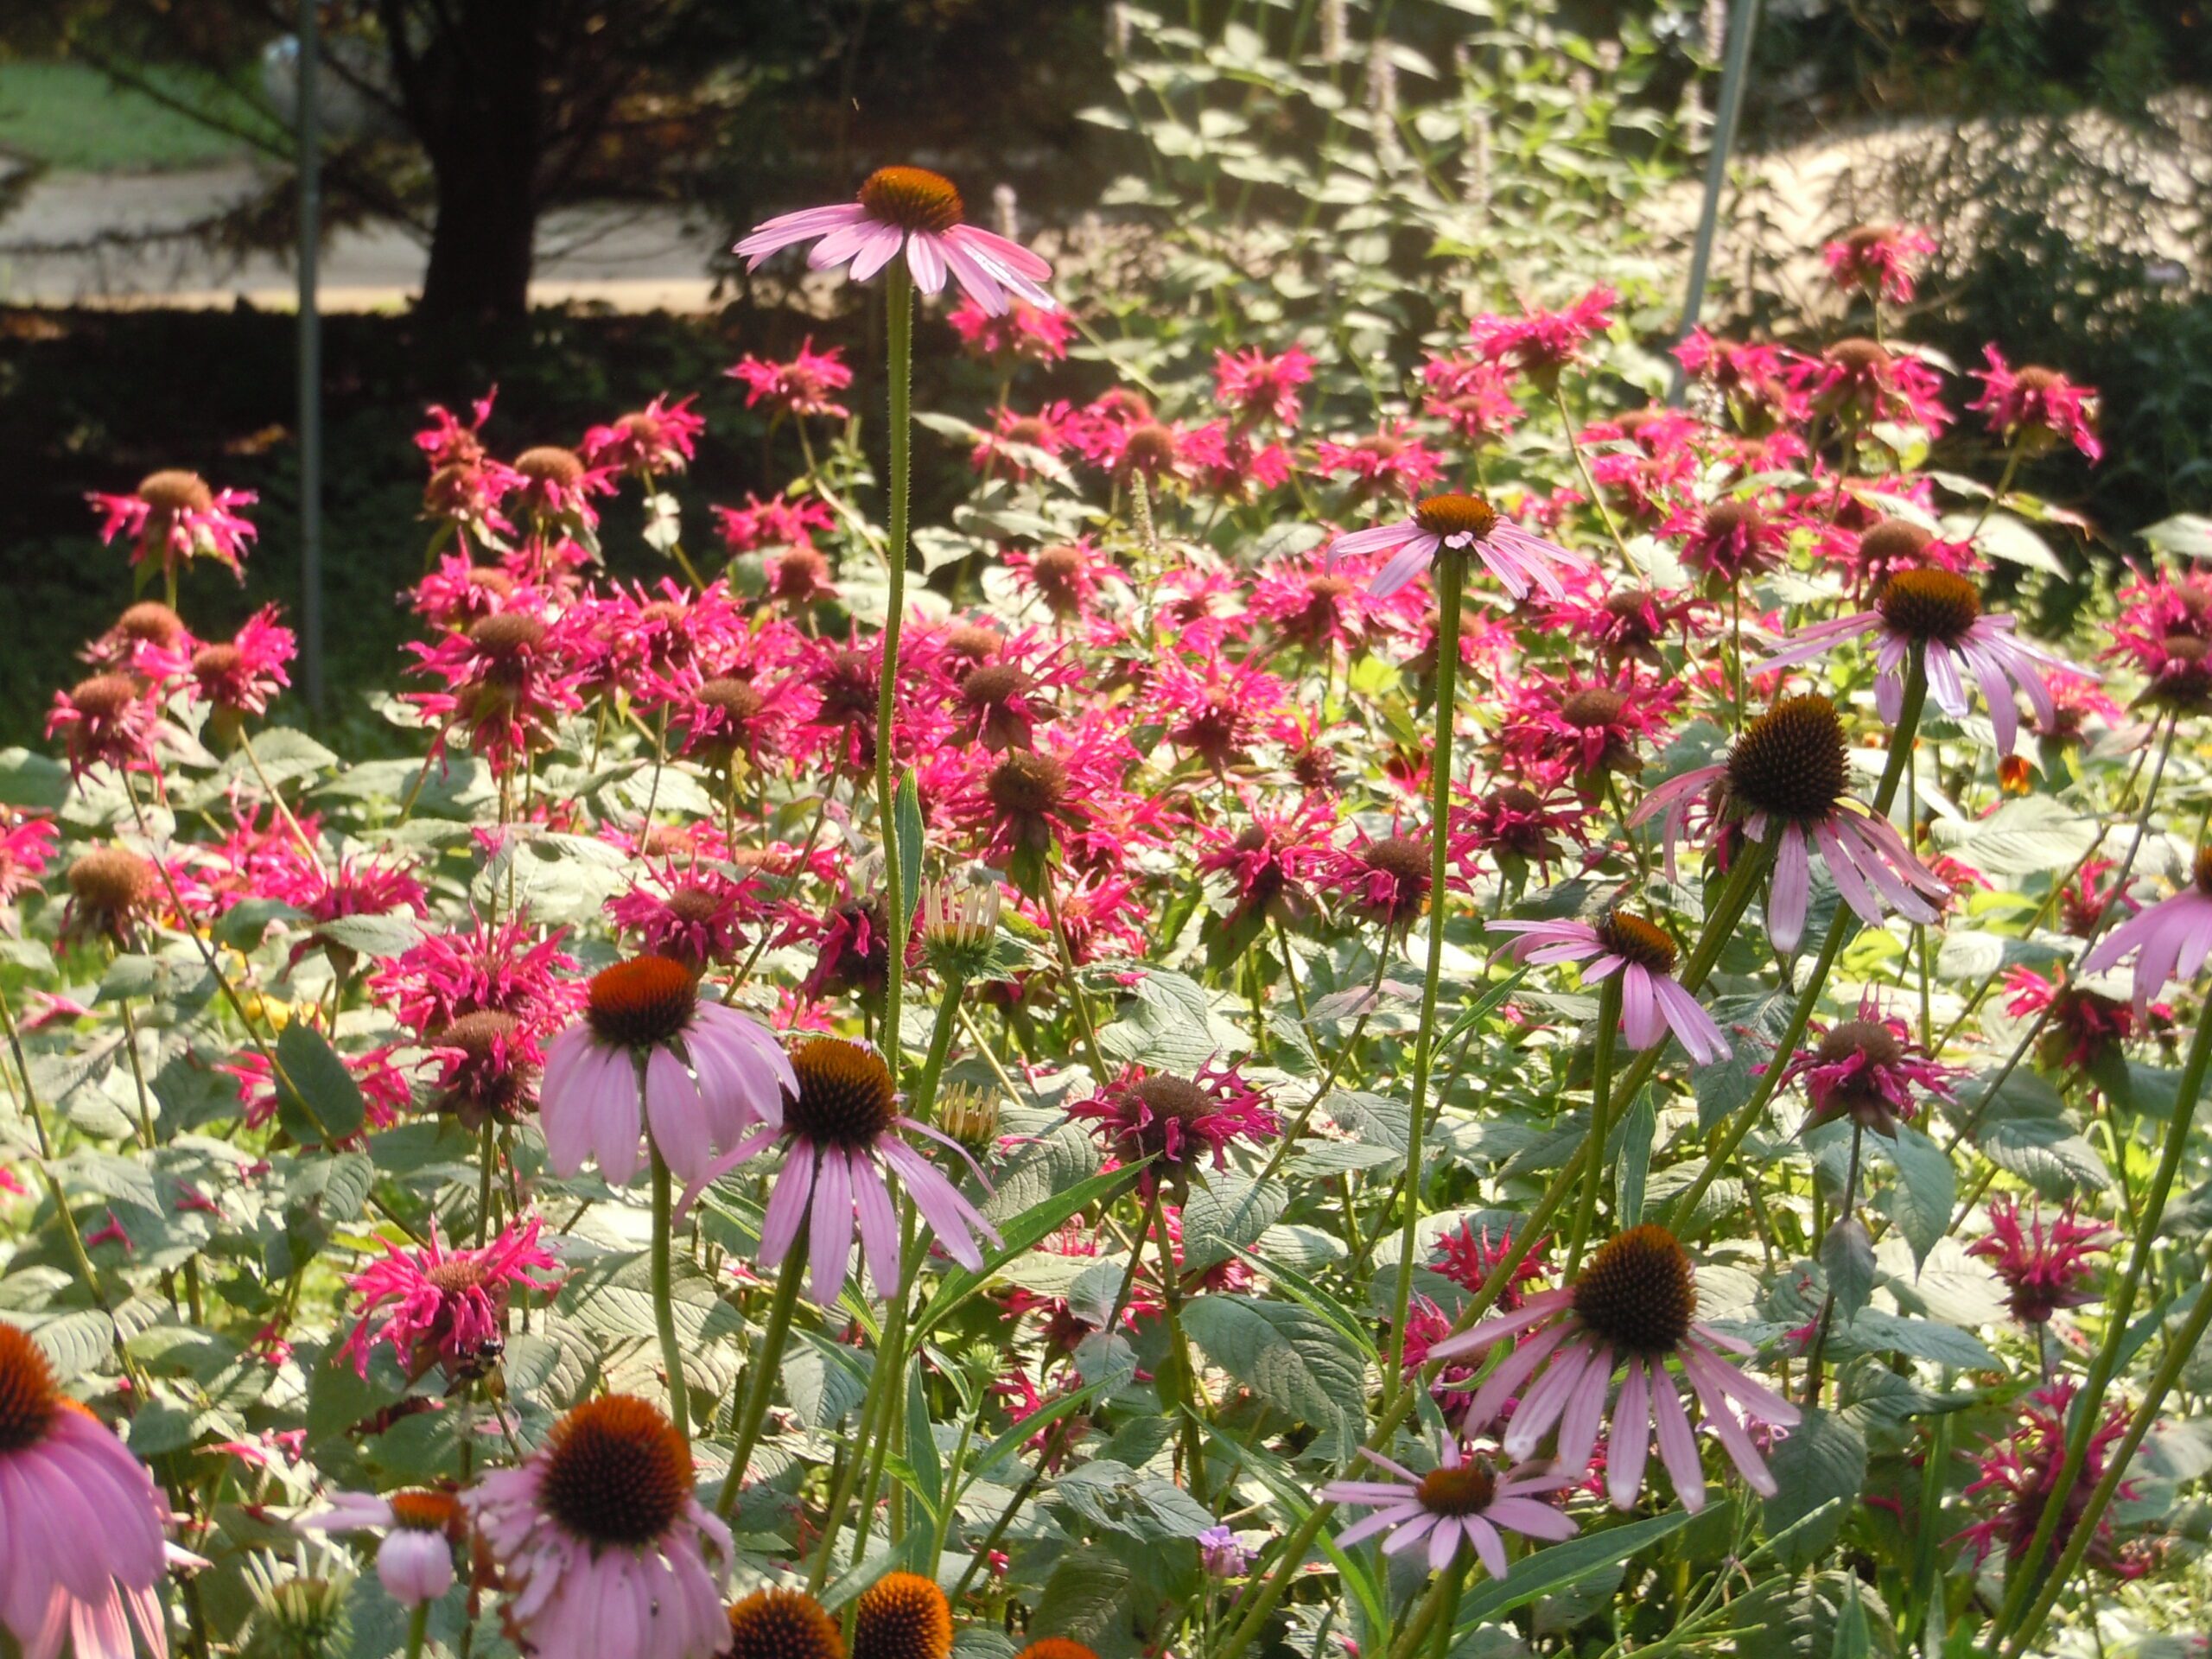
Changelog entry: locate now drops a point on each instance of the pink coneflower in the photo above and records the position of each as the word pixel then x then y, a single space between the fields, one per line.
pixel 81 1519
pixel 1175 1121
pixel 1868 1070
pixel 1634 1300
pixel 1877 260
pixel 2045 1264
pixel 1474 398
pixel 803 386
pixel 646 443
pixel 173 516
pixel 2037 408
pixel 1786 777
pixel 1463 1501
pixel 1252 385
pixel 1542 343
pixel 1517 558
pixel 603 1548
pixel 1652 1004
pixel 2173 937
pixel 914 210
pixel 1023 331
pixel 436 1307
pixel 2016 1475
pixel 841 1133
pixel 1392 462
pixel 420 1528
pixel 622 1071
pixel 1938 614
pixel 1269 864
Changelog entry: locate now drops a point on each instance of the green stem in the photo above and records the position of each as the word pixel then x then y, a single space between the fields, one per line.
pixel 924 1098
pixel 1451 574
pixel 1747 1116
pixel 1179 1351
pixel 1590 481
pixel 1601 1078
pixel 418 1623
pixel 671 1352
pixel 2089 1405
pixel 899 309
pixel 761 1380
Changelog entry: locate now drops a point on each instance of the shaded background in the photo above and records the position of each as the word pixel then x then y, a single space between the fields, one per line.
pixel 467 126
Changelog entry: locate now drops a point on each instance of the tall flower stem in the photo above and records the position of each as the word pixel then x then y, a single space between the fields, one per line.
pixel 672 1351
pixel 2089 1405
pixel 2180 1349
pixel 1590 481
pixel 898 328
pixel 1601 1078
pixel 1451 580
pixel 417 1622
pixel 752 1408
pixel 2004 485
pixel 1179 1351
pixel 1827 1320
pixel 1747 1116
pixel 1265 1597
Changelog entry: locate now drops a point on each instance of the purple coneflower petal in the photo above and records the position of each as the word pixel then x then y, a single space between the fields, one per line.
pixel 1677 1444
pixel 1692 1024
pixel 678 1117
pixel 1586 1409
pixel 1541 1408
pixel 848 240
pixel 1755 1398
pixel 1490 1547
pixel 618 1115
pixel 830 1236
pixel 786 229
pixel 1408 561
pixel 926 258
pixel 787 1203
pixel 1629 1443
pixel 1410 1533
pixel 879 1226
pixel 1382 1521
pixel 1525 1515
pixel 1641 1021
pixel 1793 882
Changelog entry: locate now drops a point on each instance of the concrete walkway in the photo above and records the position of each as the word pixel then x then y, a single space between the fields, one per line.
pixel 81 238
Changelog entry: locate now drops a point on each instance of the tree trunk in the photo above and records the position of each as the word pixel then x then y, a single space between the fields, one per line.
pixel 479 116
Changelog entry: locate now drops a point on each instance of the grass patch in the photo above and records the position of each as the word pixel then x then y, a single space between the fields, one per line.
pixel 70 115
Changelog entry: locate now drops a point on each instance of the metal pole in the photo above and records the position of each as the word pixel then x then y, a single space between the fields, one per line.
pixel 310 164
pixel 1743 24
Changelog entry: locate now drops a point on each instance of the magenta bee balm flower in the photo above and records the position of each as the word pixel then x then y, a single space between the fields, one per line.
pixel 1635 1302
pixel 436 1307
pixel 1463 1500
pixel 2045 1264
pixel 909 210
pixel 2036 407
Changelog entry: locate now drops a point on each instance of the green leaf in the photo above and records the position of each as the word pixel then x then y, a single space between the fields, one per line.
pixel 1635 1166
pixel 1290 1356
pixel 1089 1599
pixel 1226 1213
pixel 1819 1463
pixel 1926 1188
pixel 317 1098
pixel 2186 535
pixel 1549 1571
pixel 1019 1235
pixel 372 935
pixel 906 816
pixel 1847 1259
pixel 2031 835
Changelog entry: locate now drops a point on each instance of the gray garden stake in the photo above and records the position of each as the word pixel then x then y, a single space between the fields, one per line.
pixel 310 162
pixel 1743 22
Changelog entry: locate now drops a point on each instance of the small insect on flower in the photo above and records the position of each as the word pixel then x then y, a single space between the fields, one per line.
pixel 81 1550
pixel 1464 1501
pixel 435 1307
pixel 651 1055
pixel 2171 938
pixel 1635 1300
pixel 601 1542
pixel 918 213
pixel 1641 955
pixel 1463 523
